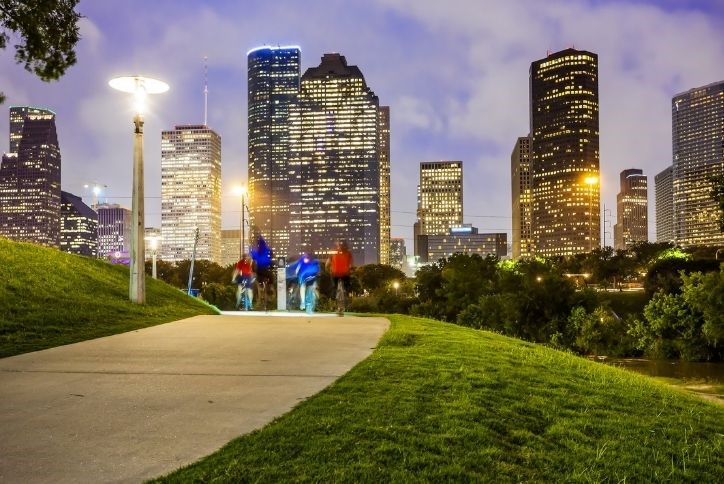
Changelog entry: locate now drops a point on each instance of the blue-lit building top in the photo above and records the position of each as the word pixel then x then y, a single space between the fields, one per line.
pixel 273 86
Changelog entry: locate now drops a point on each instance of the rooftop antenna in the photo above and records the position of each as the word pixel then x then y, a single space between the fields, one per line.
pixel 206 91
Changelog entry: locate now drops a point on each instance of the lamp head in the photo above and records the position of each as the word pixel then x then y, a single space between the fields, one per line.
pixel 239 190
pixel 139 86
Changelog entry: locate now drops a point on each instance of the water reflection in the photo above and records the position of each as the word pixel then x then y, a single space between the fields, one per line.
pixel 681 370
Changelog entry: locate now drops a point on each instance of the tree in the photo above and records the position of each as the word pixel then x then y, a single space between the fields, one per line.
pixel 48 32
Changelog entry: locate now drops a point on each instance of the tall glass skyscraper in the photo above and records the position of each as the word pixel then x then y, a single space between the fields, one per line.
pixel 334 164
pixel 78 226
pixel 522 199
pixel 440 197
pixel 632 207
pixel 564 153
pixel 697 118
pixel 664 187
pixel 273 75
pixel 30 178
pixel 384 150
pixel 190 193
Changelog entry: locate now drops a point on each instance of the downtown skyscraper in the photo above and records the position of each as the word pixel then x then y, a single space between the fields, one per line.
pixel 522 199
pixel 697 118
pixel 334 163
pixel 439 199
pixel 273 86
pixel 565 153
pixel 383 126
pixel 30 178
pixel 190 193
pixel 78 226
pixel 664 187
pixel 632 206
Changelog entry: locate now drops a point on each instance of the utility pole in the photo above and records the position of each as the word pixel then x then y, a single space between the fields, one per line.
pixel 193 258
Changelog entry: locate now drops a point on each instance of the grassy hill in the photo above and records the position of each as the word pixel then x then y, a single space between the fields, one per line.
pixel 439 402
pixel 49 298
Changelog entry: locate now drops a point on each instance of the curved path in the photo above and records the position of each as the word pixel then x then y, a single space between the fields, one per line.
pixel 137 405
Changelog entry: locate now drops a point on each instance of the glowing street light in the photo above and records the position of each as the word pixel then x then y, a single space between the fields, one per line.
pixel 396 286
pixel 140 87
pixel 590 181
pixel 240 191
pixel 153 239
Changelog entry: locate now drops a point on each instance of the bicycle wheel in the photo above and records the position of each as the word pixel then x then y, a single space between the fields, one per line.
pixel 341 297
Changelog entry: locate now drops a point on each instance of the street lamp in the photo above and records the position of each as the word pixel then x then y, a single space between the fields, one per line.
pixel 240 191
pixel 396 285
pixel 138 86
pixel 154 250
pixel 590 181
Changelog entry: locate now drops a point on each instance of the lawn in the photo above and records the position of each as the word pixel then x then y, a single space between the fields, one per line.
pixel 50 298
pixel 440 402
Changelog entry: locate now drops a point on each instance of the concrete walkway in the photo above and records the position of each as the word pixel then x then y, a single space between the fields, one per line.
pixel 137 405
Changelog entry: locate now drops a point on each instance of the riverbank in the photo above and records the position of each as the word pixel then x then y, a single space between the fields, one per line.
pixel 441 402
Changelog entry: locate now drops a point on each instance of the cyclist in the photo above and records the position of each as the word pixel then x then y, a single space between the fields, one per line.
pixel 292 286
pixel 307 271
pixel 340 266
pixel 242 277
pixel 262 256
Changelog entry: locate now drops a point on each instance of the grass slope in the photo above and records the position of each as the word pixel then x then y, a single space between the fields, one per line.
pixel 439 402
pixel 50 298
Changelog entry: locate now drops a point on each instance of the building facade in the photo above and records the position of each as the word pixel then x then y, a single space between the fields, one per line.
pixel 190 193
pixel 231 249
pixel 273 87
pixel 384 153
pixel 632 207
pixel 565 153
pixel 30 178
pixel 697 119
pixel 398 253
pixel 664 188
pixel 463 240
pixel 439 197
pixel 334 165
pixel 78 226
pixel 114 232
pixel 522 199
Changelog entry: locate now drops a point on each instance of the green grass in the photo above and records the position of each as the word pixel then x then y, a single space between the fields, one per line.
pixel 439 402
pixel 50 298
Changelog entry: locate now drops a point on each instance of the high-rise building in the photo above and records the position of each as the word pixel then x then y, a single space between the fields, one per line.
pixel 564 153
pixel 697 118
pixel 191 193
pixel 114 232
pixel 30 178
pixel 384 152
pixel 522 202
pixel 398 253
pixel 632 207
pixel 230 247
pixel 334 166
pixel 664 187
pixel 78 226
pixel 439 198
pixel 462 240
pixel 273 74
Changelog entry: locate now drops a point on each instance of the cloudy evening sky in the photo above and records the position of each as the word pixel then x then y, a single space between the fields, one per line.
pixel 454 73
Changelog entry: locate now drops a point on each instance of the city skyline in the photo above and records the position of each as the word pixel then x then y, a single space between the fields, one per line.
pixel 470 106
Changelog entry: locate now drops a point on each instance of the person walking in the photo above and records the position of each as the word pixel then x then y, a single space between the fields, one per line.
pixel 340 266
pixel 243 277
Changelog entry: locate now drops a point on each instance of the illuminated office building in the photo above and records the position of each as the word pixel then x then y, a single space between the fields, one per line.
pixel 398 253
pixel 273 75
pixel 190 193
pixel 334 166
pixel 230 247
pixel 664 187
pixel 697 125
pixel 114 232
pixel 564 153
pixel 78 226
pixel 30 178
pixel 522 202
pixel 462 240
pixel 384 151
pixel 632 206
pixel 439 197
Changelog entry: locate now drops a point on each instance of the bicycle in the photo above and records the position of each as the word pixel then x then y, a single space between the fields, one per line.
pixel 244 298
pixel 341 297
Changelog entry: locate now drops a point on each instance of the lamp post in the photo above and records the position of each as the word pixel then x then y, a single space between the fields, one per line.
pixel 154 250
pixel 590 181
pixel 396 285
pixel 240 190
pixel 138 86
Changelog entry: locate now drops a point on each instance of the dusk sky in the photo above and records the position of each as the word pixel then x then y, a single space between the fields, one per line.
pixel 454 73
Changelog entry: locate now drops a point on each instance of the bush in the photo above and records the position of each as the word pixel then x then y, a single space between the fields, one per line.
pixel 223 296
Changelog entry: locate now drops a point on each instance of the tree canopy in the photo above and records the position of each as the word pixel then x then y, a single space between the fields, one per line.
pixel 46 31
